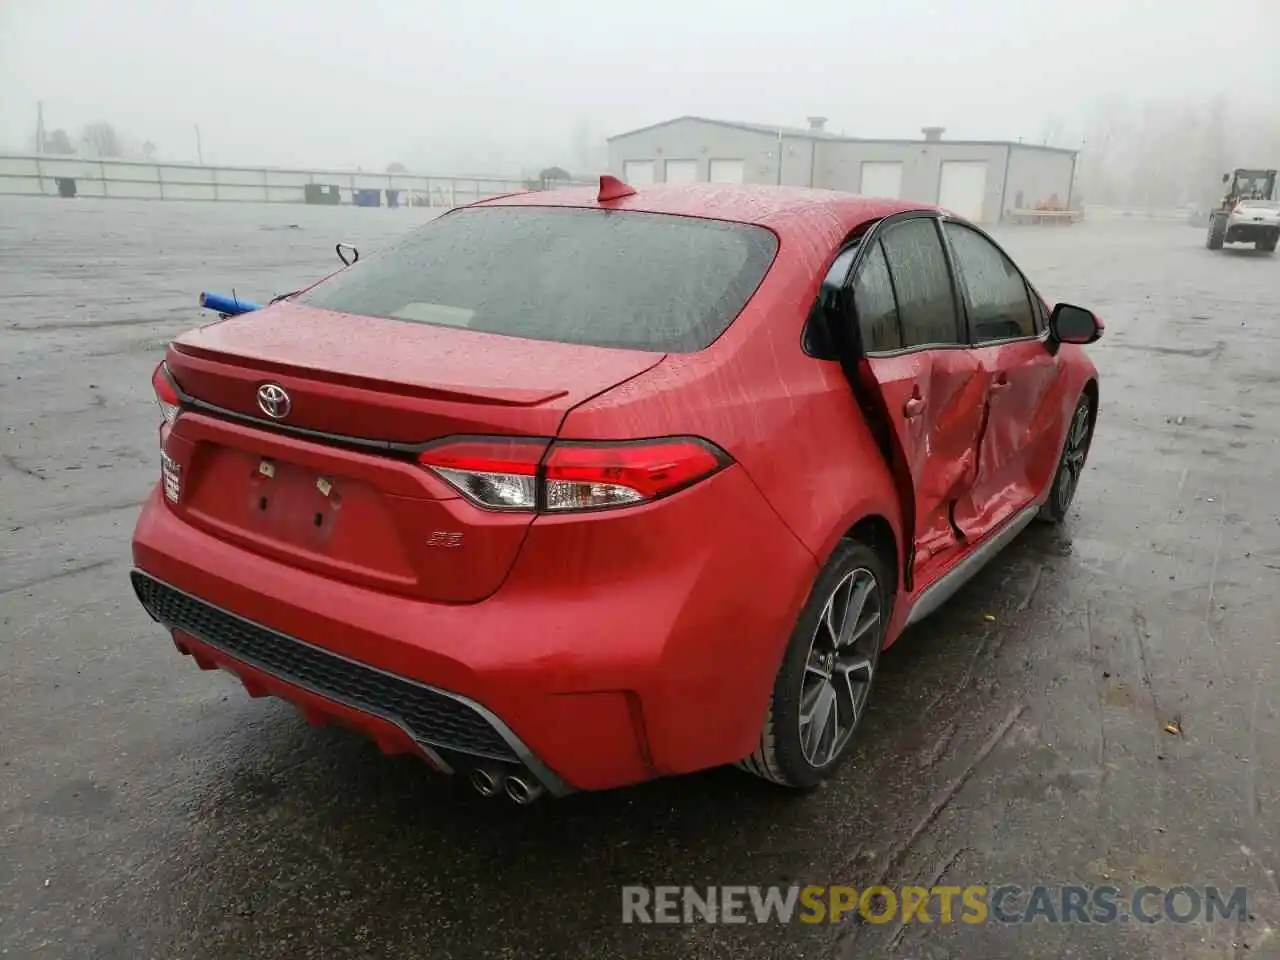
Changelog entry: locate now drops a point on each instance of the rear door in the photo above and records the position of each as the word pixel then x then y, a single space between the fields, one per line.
pixel 1018 451
pixel 918 365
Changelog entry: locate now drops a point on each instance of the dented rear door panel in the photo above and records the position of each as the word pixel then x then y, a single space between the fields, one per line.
pixel 934 401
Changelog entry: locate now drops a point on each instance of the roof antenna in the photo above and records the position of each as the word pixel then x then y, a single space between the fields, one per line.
pixel 611 188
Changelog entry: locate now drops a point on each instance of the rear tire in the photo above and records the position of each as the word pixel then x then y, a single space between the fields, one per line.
pixel 1217 233
pixel 824 684
pixel 1268 245
pixel 1075 451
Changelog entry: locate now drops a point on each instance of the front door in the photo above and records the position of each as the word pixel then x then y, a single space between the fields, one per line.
pixel 928 384
pixel 1018 452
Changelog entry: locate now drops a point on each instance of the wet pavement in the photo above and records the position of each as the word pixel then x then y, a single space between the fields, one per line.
pixel 1022 735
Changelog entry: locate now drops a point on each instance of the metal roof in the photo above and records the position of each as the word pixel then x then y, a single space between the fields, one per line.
pixel 807 134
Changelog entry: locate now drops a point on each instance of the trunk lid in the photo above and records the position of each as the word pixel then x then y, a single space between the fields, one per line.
pixel 375 379
pixel 331 486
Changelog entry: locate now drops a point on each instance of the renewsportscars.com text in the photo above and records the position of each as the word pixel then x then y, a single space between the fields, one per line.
pixel 974 904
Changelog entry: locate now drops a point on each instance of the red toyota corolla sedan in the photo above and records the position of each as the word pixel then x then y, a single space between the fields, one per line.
pixel 570 490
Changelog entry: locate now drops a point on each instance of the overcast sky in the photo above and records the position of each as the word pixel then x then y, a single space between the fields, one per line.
pixel 492 86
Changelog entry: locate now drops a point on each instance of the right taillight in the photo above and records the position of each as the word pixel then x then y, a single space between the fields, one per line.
pixel 567 475
pixel 166 394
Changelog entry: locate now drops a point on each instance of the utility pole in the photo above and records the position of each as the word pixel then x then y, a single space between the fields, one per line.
pixel 199 151
pixel 779 156
pixel 39 127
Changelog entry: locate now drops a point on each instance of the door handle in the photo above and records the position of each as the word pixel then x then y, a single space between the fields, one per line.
pixel 913 408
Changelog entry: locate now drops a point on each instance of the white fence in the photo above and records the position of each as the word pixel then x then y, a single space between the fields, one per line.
pixel 125 179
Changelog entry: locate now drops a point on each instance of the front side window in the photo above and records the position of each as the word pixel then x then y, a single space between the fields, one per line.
pixel 922 281
pixel 611 278
pixel 995 294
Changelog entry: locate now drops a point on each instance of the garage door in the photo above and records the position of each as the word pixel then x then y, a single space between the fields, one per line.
pixel 962 188
pixel 728 171
pixel 638 171
pixel 682 171
pixel 881 180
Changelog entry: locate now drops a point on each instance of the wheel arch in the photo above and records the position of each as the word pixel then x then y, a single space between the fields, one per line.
pixel 1090 390
pixel 877 532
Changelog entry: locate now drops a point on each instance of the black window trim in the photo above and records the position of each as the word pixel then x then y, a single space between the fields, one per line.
pixel 866 236
pixel 1034 299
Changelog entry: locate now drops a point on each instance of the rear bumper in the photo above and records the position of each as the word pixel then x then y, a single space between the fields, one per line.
pixel 620 648
pixel 447 729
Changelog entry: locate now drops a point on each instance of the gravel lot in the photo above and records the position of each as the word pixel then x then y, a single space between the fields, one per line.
pixel 151 810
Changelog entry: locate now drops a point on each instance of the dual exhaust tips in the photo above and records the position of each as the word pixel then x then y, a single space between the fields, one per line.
pixel 520 788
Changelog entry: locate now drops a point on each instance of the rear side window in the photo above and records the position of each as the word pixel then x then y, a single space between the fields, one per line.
pixel 995 293
pixel 926 302
pixel 875 305
pixel 601 277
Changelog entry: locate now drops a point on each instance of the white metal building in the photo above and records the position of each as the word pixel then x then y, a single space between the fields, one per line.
pixel 979 179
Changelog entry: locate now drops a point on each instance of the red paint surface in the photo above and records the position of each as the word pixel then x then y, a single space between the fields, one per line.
pixel 935 402
pixel 1018 455
pixel 622 644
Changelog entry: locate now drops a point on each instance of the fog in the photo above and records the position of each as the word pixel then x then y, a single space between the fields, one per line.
pixel 501 88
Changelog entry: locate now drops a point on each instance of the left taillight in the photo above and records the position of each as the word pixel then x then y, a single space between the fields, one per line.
pixel 166 394
pixel 498 473
pixel 563 476
pixel 170 406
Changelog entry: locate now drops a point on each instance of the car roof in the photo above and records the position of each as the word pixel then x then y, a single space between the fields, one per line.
pixel 767 206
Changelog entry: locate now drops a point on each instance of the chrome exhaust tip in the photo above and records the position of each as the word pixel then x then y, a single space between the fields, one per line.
pixel 522 791
pixel 485 782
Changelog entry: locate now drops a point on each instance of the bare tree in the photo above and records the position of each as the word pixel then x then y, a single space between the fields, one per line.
pixel 101 139
pixel 57 142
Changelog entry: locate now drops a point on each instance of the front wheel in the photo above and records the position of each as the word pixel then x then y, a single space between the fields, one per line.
pixel 1074 452
pixel 1217 233
pixel 824 684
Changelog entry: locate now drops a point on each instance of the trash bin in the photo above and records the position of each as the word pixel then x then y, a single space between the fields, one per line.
pixel 393 198
pixel 66 186
pixel 326 193
pixel 367 198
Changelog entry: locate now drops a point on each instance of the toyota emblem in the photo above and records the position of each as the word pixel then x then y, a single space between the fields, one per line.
pixel 273 401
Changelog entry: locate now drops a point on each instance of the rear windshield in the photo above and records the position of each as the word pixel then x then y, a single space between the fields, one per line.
pixel 1265 204
pixel 601 277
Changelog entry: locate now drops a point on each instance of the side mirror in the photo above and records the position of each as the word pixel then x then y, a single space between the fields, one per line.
pixel 1070 324
pixel 1226 177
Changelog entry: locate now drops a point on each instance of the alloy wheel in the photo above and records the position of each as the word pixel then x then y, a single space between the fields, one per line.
pixel 842 658
pixel 1073 455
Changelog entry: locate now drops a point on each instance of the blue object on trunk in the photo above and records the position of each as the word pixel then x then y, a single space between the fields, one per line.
pixel 227 306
